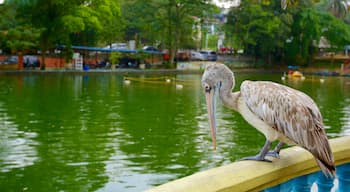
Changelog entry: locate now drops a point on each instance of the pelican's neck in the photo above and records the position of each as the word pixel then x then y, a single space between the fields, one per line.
pixel 229 98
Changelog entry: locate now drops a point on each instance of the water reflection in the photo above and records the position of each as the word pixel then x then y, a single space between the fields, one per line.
pixel 17 148
pixel 93 133
pixel 157 136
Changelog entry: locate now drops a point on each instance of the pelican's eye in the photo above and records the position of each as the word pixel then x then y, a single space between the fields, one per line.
pixel 207 88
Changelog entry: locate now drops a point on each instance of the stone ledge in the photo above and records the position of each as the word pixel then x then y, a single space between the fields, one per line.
pixel 256 176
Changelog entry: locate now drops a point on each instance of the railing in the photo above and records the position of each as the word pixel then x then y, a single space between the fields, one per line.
pixel 296 170
pixel 317 180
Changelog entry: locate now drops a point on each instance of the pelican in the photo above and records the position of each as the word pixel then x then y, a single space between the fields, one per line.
pixel 279 112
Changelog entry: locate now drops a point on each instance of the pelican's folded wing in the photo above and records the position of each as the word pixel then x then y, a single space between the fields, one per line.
pixel 293 114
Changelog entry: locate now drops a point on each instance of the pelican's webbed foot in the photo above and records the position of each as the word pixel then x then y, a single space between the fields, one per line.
pixel 273 154
pixel 257 158
pixel 276 152
pixel 262 154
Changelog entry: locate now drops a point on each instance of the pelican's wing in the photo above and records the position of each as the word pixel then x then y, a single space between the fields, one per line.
pixel 292 113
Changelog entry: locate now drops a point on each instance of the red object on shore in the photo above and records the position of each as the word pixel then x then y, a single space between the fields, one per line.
pixel 20 61
pixel 166 57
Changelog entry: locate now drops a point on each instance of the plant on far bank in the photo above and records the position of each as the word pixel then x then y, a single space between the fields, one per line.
pixel 114 57
pixel 142 56
pixel 68 54
pixel 169 65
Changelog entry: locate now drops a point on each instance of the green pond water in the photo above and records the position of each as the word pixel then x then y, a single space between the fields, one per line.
pixel 65 132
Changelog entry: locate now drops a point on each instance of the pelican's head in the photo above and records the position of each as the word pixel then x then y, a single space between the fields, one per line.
pixel 216 77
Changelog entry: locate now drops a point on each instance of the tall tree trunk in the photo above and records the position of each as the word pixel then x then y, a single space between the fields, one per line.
pixel 170 34
pixel 20 60
pixel 44 45
pixel 43 57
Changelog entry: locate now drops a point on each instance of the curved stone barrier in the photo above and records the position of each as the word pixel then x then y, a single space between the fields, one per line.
pixel 257 176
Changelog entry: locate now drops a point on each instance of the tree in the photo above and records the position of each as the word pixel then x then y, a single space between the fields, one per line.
pixel 309 26
pixel 179 20
pixel 306 30
pixel 54 18
pixel 142 21
pixel 100 23
pixel 259 29
pixel 17 37
pixel 109 15
pixel 289 36
pixel 64 21
pixel 335 31
pixel 167 23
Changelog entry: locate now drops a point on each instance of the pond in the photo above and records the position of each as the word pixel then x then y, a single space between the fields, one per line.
pixel 93 132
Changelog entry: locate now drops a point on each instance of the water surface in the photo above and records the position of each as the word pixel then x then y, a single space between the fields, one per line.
pixel 62 132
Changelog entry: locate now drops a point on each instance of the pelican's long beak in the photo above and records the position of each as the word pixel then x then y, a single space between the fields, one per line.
pixel 211 107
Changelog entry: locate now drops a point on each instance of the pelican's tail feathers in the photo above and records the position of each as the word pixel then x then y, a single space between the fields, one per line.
pixel 327 169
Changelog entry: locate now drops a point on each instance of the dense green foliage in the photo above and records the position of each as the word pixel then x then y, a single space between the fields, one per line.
pixel 167 24
pixel 273 31
pixel 291 35
pixel 60 22
pixel 16 35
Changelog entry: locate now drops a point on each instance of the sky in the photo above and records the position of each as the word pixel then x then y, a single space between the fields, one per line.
pixel 1 1
pixel 226 3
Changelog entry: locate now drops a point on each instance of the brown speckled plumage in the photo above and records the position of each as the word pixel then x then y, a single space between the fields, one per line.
pixel 279 112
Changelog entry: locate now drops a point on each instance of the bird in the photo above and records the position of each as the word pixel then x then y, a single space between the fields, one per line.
pixel 179 86
pixel 279 112
pixel 126 81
